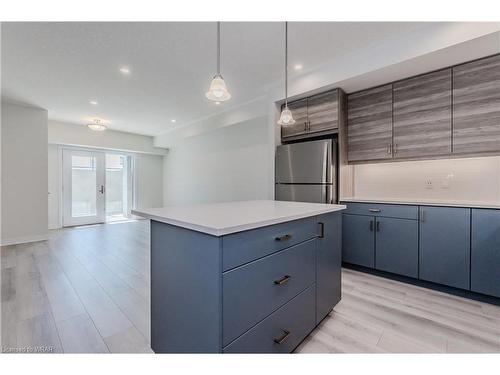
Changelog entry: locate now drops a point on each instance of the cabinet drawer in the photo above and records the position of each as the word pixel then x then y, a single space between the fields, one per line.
pixel 379 209
pixel 243 247
pixel 288 325
pixel 253 291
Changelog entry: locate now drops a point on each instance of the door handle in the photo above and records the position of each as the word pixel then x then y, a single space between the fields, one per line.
pixel 371 225
pixel 378 226
pixel 374 210
pixel 101 189
pixel 282 339
pixel 283 280
pixel 285 237
pixel 321 230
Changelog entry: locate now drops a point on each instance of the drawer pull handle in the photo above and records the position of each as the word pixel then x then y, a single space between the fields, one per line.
pixel 321 230
pixel 374 210
pixel 283 280
pixel 282 339
pixel 285 237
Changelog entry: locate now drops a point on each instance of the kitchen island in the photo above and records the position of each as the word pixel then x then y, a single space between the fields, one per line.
pixel 242 277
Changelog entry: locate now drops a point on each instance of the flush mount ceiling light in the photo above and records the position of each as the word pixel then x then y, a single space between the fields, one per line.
pixel 97 125
pixel 124 70
pixel 93 102
pixel 286 117
pixel 218 90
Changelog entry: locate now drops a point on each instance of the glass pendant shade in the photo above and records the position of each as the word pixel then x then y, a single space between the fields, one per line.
pixel 218 90
pixel 97 125
pixel 286 117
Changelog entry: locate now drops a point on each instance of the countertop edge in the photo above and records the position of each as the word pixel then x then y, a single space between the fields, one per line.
pixel 218 232
pixel 424 203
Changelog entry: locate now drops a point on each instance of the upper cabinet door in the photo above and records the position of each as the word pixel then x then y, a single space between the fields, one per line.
pixel 422 115
pixel 323 112
pixel 476 106
pixel 369 124
pixel 299 112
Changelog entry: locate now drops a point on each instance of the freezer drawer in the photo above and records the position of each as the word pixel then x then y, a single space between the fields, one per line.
pixel 305 193
pixel 306 162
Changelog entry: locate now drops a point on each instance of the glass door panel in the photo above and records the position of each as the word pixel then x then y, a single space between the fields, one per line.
pixel 83 187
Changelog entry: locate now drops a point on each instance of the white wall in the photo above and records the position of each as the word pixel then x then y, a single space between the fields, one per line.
pixel 471 179
pixel 149 180
pixel 77 135
pixel 24 173
pixel 225 164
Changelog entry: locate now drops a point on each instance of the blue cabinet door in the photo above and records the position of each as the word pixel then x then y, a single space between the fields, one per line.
pixel 445 245
pixel 328 263
pixel 358 240
pixel 396 246
pixel 485 252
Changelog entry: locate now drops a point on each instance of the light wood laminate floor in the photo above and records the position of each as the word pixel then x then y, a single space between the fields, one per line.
pixel 87 290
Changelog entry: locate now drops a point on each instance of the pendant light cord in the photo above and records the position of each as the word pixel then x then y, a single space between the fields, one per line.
pixel 218 48
pixel 286 64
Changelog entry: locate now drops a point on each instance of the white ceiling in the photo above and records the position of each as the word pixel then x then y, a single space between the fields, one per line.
pixel 62 66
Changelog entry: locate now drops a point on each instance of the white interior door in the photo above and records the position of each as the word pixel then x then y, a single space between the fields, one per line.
pixel 83 187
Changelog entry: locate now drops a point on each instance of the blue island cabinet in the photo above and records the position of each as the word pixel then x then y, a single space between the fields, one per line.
pixel 258 291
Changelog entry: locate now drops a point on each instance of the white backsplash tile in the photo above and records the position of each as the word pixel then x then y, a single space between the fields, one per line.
pixel 471 179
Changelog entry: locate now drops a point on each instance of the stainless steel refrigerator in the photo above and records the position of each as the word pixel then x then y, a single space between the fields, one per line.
pixel 306 172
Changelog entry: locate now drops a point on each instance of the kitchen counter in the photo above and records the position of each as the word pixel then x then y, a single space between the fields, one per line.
pixel 218 219
pixel 426 202
pixel 242 277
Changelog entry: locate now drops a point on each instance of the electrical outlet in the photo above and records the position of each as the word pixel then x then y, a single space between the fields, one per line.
pixel 428 184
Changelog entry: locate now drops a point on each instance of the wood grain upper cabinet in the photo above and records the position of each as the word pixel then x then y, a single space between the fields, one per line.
pixel 369 124
pixel 299 112
pixel 422 115
pixel 476 106
pixel 323 112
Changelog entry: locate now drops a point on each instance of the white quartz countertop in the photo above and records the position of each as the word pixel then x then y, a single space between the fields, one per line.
pixel 219 219
pixel 426 202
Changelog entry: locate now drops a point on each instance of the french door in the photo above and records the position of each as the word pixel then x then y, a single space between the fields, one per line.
pixel 83 187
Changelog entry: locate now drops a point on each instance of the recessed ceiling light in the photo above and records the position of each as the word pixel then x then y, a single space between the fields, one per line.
pixel 93 102
pixel 173 120
pixel 124 70
pixel 217 103
pixel 297 67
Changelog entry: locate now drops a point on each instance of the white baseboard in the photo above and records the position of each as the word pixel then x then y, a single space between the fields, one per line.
pixel 23 239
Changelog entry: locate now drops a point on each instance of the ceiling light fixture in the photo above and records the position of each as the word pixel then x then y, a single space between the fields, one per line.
pixel 173 120
pixel 93 102
pixel 97 125
pixel 218 91
pixel 297 67
pixel 124 70
pixel 286 117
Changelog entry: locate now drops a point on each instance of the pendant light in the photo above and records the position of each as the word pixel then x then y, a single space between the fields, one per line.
pixel 286 117
pixel 97 125
pixel 218 90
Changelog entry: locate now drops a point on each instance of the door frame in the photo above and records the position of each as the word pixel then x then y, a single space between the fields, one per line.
pixel 60 178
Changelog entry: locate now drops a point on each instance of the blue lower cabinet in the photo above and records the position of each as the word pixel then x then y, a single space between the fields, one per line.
pixel 485 252
pixel 396 246
pixel 445 245
pixel 358 240
pixel 281 331
pixel 328 264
